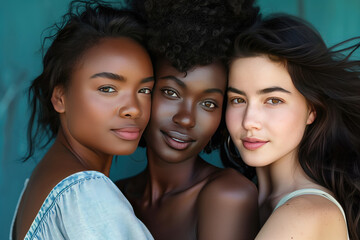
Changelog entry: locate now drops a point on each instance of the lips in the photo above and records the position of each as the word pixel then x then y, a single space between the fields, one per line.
pixel 176 140
pixel 129 133
pixel 253 143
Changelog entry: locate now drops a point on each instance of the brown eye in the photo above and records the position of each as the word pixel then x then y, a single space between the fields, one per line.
pixel 209 104
pixel 274 101
pixel 107 89
pixel 237 101
pixel 145 90
pixel 170 93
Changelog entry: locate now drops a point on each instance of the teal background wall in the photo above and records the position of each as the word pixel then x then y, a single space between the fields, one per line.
pixel 21 25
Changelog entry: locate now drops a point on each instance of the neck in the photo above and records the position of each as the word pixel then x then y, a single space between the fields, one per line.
pixel 280 178
pixel 167 178
pixel 81 155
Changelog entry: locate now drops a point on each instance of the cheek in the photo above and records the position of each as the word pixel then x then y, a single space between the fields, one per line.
pixel 145 105
pixel 92 113
pixel 289 126
pixel 84 113
pixel 161 111
pixel 233 120
pixel 208 122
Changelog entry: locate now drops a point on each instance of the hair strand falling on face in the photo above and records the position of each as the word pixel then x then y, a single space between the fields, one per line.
pixel 84 26
pixel 329 79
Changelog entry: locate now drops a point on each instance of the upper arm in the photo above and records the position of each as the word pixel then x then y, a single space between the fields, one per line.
pixel 228 209
pixel 305 217
pixel 98 210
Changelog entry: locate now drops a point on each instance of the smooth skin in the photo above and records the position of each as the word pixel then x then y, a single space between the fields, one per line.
pixel 103 112
pixel 266 117
pixel 180 196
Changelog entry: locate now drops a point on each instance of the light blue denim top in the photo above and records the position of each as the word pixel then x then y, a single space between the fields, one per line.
pixel 86 205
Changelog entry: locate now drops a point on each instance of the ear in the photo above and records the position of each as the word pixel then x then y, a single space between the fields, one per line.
pixel 58 99
pixel 312 116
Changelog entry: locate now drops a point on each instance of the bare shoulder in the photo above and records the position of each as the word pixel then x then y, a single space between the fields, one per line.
pixel 123 183
pixel 228 207
pixel 132 185
pixel 228 184
pixel 305 217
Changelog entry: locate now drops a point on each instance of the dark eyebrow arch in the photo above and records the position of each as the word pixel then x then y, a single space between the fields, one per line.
pixel 114 76
pixel 178 81
pixel 272 89
pixel 262 91
pixel 235 90
pixel 109 75
pixel 214 90
pixel 148 79
pixel 182 84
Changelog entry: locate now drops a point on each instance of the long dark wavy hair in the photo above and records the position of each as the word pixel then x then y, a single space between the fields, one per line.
pixel 84 26
pixel 190 33
pixel 329 79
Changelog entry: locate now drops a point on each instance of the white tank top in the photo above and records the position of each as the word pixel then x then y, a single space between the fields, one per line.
pixel 311 191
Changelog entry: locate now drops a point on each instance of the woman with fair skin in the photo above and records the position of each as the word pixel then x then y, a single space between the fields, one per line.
pixel 93 98
pixel 293 114
pixel 179 195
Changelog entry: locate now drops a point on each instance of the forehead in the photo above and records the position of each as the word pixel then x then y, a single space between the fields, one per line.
pixel 210 76
pixel 119 50
pixel 259 72
pixel 122 56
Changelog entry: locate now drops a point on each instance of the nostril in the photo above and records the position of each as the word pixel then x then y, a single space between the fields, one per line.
pixel 185 120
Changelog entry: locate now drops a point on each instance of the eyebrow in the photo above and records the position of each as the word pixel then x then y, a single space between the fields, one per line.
pixel 262 91
pixel 235 90
pixel 214 90
pixel 175 79
pixel 272 89
pixel 109 75
pixel 182 84
pixel 114 76
pixel 148 79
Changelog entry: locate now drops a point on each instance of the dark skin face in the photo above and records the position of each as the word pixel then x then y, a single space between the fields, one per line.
pixel 103 112
pixel 179 196
pixel 186 111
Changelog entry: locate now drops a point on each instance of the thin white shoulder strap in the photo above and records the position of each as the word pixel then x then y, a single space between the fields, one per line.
pixel 311 191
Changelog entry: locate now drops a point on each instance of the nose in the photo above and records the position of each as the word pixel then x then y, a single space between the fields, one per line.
pixel 130 107
pixel 185 117
pixel 251 118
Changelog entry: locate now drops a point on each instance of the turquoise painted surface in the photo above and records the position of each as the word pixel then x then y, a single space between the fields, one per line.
pixel 21 25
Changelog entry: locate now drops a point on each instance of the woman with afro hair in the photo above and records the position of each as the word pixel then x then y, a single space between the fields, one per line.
pixel 179 195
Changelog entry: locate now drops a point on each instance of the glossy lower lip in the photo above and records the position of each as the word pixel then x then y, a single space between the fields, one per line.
pixel 129 134
pixel 253 145
pixel 176 143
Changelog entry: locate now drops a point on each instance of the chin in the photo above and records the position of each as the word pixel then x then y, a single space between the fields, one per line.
pixel 127 150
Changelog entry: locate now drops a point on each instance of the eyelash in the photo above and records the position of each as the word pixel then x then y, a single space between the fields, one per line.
pixel 279 101
pixel 211 103
pixel 238 100
pixel 102 89
pixel 170 93
pixel 145 89
pixel 109 89
pixel 167 91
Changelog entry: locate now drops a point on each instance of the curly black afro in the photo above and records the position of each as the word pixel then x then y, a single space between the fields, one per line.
pixel 188 33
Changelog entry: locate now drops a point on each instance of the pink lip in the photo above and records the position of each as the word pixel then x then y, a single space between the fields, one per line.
pixel 129 133
pixel 253 143
pixel 176 140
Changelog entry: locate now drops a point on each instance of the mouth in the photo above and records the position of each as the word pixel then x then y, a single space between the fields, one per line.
pixel 176 140
pixel 128 133
pixel 253 143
